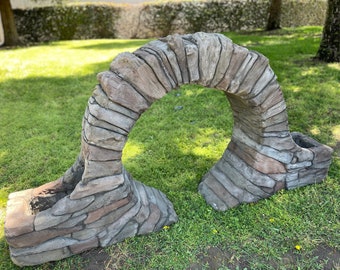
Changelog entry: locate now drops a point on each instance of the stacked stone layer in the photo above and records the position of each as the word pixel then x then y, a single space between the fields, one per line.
pixel 98 203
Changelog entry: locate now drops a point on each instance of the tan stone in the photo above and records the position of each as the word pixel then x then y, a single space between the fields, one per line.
pixel 19 225
pixel 19 219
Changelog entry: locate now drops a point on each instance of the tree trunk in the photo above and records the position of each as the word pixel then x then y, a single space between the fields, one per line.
pixel 274 15
pixel 329 50
pixel 8 23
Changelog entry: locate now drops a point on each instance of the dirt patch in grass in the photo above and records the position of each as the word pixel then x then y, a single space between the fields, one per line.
pixel 323 257
pixel 96 259
pixel 215 258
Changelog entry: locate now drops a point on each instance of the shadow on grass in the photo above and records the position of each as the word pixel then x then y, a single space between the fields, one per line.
pixel 114 44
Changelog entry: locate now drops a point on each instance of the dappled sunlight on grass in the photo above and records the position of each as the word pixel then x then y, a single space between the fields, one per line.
pixel 334 65
pixel 132 150
pixel 315 130
pixel 310 71
pixel 63 58
pixel 336 132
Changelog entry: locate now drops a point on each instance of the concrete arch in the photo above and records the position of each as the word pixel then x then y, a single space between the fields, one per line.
pixel 98 203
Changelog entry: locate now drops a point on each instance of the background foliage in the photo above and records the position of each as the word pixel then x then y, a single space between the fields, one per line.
pixel 161 18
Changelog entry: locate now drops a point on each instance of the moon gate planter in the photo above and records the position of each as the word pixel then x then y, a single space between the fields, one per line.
pixel 98 203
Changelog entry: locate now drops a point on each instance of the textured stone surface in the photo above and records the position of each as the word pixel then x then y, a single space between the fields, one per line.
pixel 98 203
pixel 19 218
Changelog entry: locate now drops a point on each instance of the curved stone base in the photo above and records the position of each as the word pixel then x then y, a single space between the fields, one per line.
pixel 238 178
pixel 73 226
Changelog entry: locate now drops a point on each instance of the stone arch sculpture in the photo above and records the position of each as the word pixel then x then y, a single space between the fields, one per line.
pixel 98 203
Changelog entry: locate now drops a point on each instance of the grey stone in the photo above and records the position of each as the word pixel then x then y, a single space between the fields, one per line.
pixel 46 219
pixel 163 61
pixel 117 224
pixel 42 257
pixel 255 71
pixel 129 230
pixel 68 206
pixel 242 72
pixel 168 58
pixel 257 178
pixel 84 245
pixel 157 68
pixel 114 216
pixel 36 238
pixel 121 92
pixel 114 118
pixel 224 61
pixel 72 222
pixel 93 121
pixel 128 66
pixel 209 47
pixel 176 44
pixel 239 54
pixel 153 218
pixel 95 186
pixel 191 52
pixel 298 165
pixel 100 169
pixel 54 244
pixel 118 105
pixel 95 153
pixel 216 194
pixel 86 234
pixel 103 211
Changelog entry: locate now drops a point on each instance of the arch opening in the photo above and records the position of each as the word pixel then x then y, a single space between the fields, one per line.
pixel 177 140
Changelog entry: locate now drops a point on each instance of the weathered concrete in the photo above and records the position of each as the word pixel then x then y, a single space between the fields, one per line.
pixel 98 203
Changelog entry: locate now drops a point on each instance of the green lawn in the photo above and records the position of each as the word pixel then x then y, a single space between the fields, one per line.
pixel 44 91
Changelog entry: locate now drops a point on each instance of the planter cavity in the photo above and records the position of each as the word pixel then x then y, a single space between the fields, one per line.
pixel 98 203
